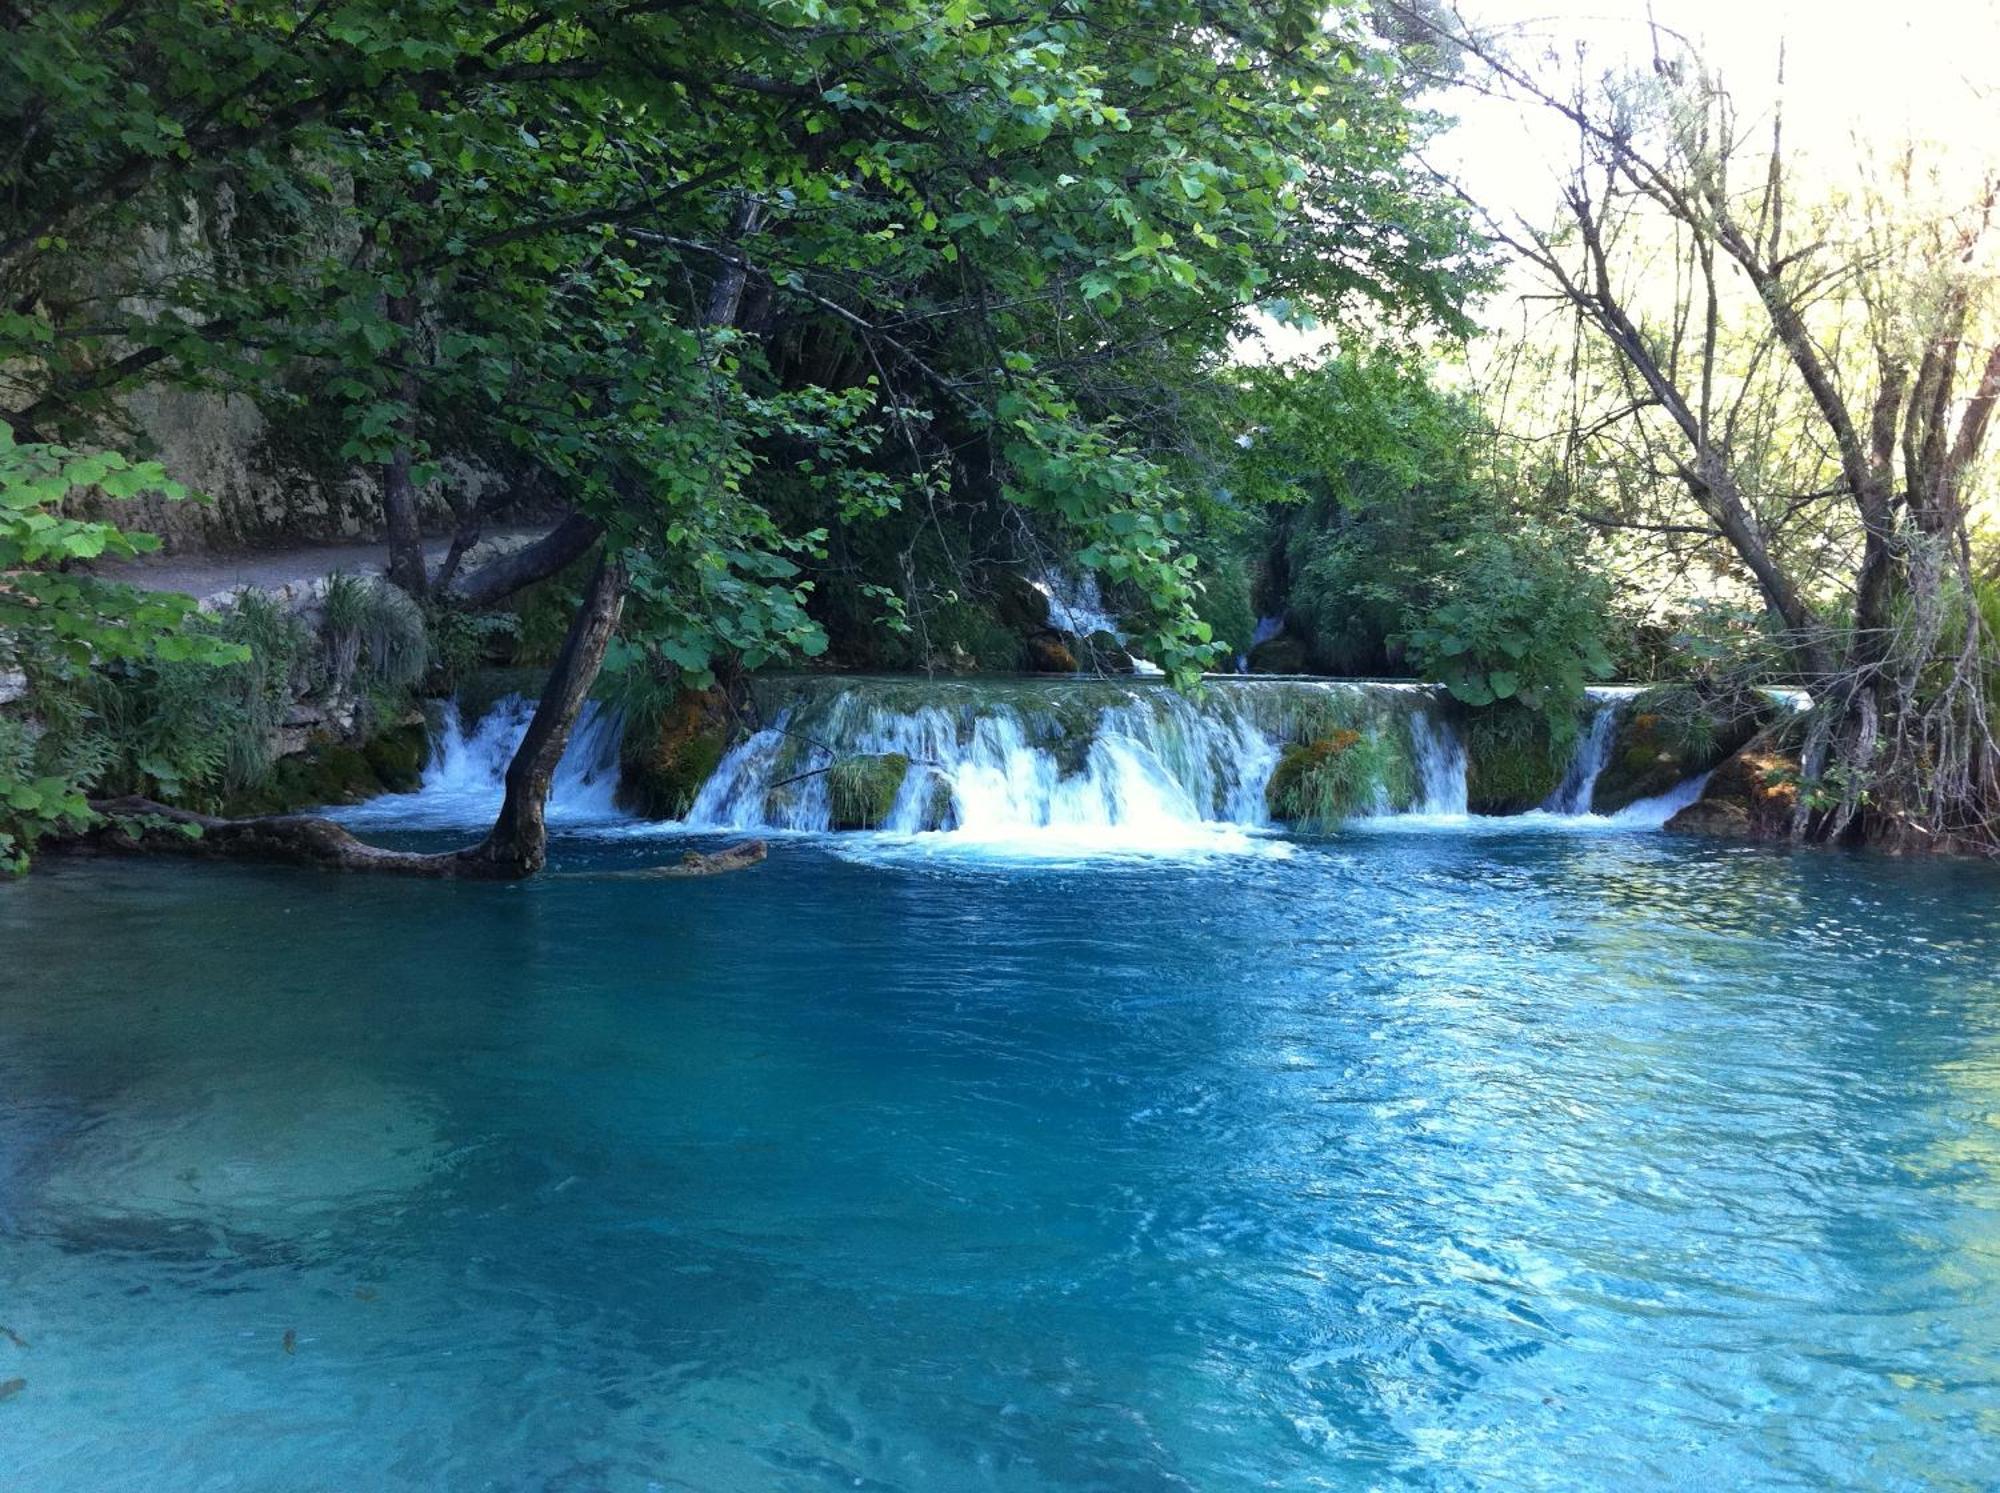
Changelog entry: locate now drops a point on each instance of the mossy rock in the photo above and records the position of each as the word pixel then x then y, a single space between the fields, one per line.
pixel 1514 759
pixel 397 756
pixel 1019 604
pixel 1752 796
pixel 940 807
pixel 1104 654
pixel 661 769
pixel 1322 783
pixel 861 791
pixel 328 772
pixel 1279 655
pixel 1670 735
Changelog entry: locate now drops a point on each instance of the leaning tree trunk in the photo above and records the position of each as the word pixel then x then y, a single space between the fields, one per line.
pixel 519 838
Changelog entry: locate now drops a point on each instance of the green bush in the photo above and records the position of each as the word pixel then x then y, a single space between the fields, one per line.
pixel 1513 617
pixel 1323 783
pixel 862 790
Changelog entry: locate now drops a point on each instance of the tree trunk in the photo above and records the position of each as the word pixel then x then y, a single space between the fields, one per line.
pixel 519 837
pixel 399 490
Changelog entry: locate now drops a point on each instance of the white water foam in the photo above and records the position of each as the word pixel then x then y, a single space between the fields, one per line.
pixel 465 779
pixel 1056 771
pixel 1159 775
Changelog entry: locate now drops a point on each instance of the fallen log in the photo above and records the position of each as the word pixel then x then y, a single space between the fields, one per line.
pixel 139 825
pixel 136 825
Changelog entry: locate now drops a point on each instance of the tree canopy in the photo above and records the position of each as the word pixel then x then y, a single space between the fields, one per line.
pixel 717 280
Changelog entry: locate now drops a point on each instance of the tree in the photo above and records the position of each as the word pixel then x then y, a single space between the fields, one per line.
pixel 667 264
pixel 1805 385
pixel 55 621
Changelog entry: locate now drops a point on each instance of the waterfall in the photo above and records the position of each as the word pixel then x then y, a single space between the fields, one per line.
pixel 1440 763
pixel 1077 605
pixel 1122 764
pixel 1593 750
pixel 1025 765
pixel 1137 765
pixel 465 777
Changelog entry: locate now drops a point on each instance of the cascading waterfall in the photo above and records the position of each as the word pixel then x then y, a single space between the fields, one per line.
pixel 1593 750
pixel 1137 765
pixel 1076 605
pixel 465 778
pixel 1090 764
pixel 1440 761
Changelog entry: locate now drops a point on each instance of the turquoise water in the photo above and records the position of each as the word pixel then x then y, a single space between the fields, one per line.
pixel 1409 1160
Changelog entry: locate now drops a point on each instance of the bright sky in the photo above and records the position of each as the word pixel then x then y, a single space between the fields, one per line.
pixel 1880 70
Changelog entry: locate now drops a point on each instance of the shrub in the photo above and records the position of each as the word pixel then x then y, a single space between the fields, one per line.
pixel 1223 602
pixel 374 635
pixel 862 790
pixel 1326 781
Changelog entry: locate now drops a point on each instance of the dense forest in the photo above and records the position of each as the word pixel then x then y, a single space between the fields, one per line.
pixel 658 345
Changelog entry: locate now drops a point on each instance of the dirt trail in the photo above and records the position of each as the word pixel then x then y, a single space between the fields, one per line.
pixel 278 569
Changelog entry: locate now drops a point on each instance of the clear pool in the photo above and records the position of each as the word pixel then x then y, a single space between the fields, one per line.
pixel 1405 1160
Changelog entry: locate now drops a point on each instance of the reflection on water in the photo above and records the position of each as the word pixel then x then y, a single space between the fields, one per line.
pixel 1494 1162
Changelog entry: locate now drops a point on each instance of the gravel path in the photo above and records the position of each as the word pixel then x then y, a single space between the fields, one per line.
pixel 206 575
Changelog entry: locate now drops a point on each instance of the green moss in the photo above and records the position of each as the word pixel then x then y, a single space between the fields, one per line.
pixel 1515 758
pixel 1671 733
pixel 1322 783
pixel 397 756
pixel 666 758
pixel 862 790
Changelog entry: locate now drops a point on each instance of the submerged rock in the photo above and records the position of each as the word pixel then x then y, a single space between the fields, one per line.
pixel 1750 797
pixel 861 791
pixel 271 1153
